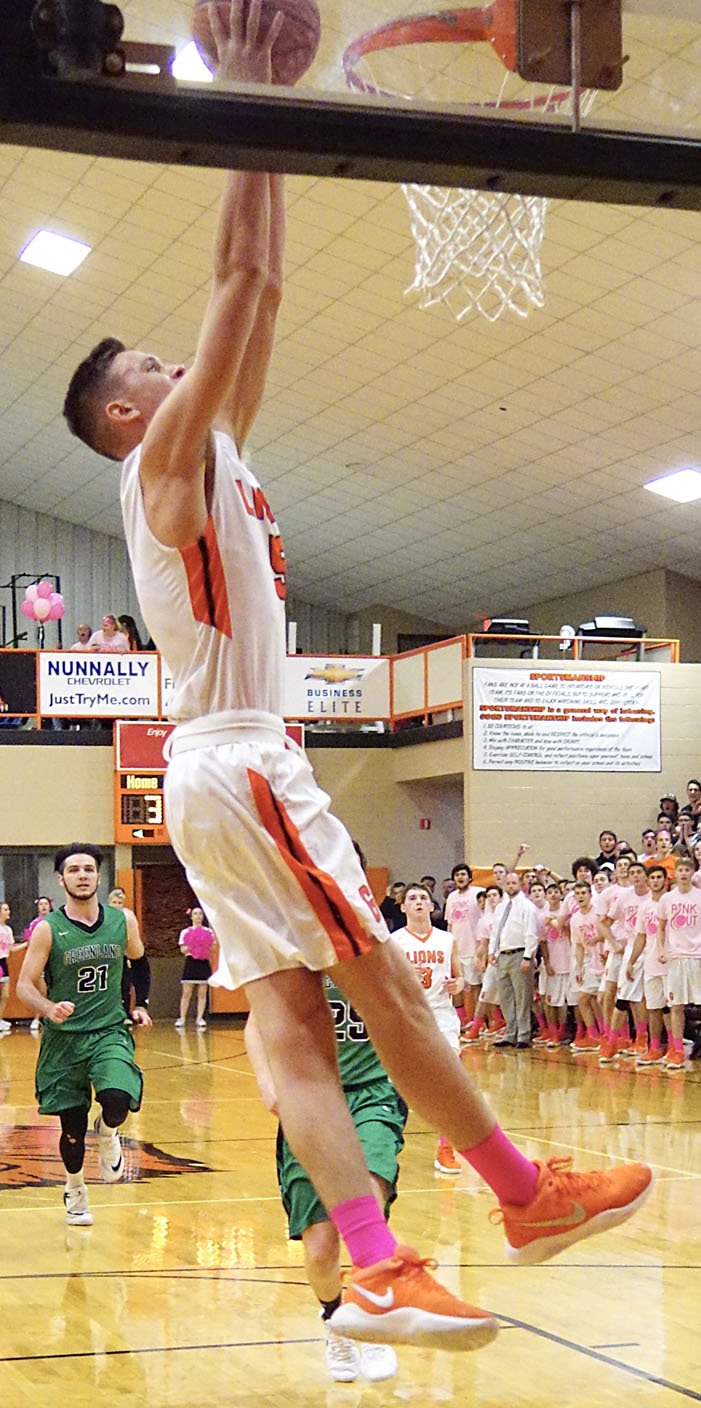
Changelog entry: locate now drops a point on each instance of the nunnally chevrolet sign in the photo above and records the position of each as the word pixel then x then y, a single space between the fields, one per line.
pixel 79 683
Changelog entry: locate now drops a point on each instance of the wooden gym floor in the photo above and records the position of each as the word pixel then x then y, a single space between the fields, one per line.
pixel 186 1290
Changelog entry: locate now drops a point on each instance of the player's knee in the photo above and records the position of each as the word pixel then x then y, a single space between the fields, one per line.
pixel 321 1249
pixel 115 1106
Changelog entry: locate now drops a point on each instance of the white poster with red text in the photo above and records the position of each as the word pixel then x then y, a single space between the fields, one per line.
pixel 566 720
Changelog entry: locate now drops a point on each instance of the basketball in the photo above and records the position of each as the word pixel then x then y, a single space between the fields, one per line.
pixel 295 47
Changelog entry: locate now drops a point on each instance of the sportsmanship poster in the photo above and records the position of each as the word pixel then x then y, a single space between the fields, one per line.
pixel 566 720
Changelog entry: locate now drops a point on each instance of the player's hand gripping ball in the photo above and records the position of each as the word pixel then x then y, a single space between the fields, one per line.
pixel 294 49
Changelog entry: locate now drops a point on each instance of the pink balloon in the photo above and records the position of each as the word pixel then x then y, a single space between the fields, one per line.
pixel 45 589
pixel 41 609
pixel 27 609
pixel 56 610
pixel 32 592
pixel 55 596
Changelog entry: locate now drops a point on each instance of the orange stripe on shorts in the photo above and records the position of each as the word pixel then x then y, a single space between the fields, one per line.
pixel 326 898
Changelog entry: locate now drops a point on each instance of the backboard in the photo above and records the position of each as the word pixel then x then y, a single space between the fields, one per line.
pixel 449 112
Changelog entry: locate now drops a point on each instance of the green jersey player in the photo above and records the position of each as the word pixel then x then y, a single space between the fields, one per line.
pixel 379 1115
pixel 78 954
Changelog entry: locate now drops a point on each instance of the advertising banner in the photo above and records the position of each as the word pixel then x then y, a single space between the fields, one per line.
pixel 83 684
pixel 337 687
pixel 572 720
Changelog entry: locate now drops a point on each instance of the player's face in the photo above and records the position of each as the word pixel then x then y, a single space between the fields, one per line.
pixel 499 873
pixel 537 894
pixel 639 877
pixel 417 905
pixel 116 899
pixel 5 913
pixel 43 906
pixel 582 896
pixel 601 881
pixel 607 841
pixel 682 875
pixel 461 879
pixel 664 843
pixel 622 868
pixel 146 381
pixel 80 877
pixel 197 916
pixel 658 884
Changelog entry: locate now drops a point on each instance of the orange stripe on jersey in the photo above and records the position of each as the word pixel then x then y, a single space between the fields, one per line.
pixel 326 898
pixel 206 581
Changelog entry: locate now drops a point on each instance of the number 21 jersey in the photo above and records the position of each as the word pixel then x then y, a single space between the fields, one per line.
pixel 85 968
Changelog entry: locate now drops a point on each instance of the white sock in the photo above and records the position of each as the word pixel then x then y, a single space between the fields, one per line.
pixel 75 1180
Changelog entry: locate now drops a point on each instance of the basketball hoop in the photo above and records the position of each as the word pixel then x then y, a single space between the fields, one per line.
pixel 477 251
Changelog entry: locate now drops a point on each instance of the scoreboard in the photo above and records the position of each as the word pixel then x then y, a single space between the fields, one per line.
pixel 139 774
pixel 139 808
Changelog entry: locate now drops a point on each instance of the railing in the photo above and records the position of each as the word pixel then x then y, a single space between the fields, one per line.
pixel 530 647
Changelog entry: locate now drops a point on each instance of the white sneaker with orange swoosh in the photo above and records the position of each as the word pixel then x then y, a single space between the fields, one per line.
pixel 569 1206
pixel 398 1301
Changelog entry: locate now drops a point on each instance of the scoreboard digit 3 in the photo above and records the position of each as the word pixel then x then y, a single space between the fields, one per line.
pixel 139 808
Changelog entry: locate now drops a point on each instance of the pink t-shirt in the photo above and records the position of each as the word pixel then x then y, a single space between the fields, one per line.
pixel 108 644
pixel 462 915
pixel 484 926
pixel 613 904
pixel 631 913
pixel 559 945
pixel 197 941
pixel 682 914
pixel 584 929
pixel 7 940
pixel 32 926
pixel 648 917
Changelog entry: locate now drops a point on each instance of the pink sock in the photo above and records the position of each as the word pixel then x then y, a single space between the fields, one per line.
pixel 591 1031
pixel 511 1176
pixel 655 1043
pixel 462 1014
pixel 641 1029
pixel 677 1043
pixel 363 1228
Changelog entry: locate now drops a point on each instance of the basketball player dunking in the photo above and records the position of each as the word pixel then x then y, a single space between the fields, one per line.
pixel 277 873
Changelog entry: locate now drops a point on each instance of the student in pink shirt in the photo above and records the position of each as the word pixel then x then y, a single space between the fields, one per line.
pixel 196 942
pixel 679 946
pixel 654 972
pixel 43 907
pixel 589 965
pixel 557 954
pixel 462 915
pixel 487 1010
pixel 611 911
pixel 630 976
pixel 7 941
pixel 109 640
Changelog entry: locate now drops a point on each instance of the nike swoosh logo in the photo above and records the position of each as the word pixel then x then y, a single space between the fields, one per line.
pixel 572 1219
pixel 383 1302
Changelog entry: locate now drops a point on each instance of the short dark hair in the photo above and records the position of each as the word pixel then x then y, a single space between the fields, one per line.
pixel 693 781
pixel 607 831
pixel 582 885
pixel 81 405
pixel 552 886
pixel 427 877
pixel 461 865
pixel 417 885
pixel 77 848
pixel 656 870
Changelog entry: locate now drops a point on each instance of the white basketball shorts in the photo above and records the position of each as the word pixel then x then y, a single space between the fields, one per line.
pixel 632 991
pixel 683 981
pixel 276 873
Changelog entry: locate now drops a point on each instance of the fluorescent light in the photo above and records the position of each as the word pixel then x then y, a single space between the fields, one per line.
pixel 56 253
pixel 683 486
pixel 188 64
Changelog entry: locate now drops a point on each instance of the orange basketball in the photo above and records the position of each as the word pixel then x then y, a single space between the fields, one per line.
pixel 295 47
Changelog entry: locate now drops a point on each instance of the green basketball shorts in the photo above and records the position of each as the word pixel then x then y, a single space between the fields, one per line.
pixel 73 1064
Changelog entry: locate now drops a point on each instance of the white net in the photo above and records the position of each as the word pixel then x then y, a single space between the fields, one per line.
pixel 477 251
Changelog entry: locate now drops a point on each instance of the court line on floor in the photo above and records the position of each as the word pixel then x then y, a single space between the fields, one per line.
pixel 507 1320
pixel 601 1154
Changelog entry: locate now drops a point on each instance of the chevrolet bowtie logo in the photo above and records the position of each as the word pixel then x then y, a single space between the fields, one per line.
pixel 334 674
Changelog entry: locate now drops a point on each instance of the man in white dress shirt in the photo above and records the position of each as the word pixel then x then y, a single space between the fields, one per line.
pixel 512 947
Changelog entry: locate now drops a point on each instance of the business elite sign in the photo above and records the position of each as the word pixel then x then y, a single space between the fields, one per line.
pixel 84 685
pixel 348 687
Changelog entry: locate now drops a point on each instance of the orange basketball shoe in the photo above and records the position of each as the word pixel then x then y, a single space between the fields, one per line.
pixel 445 1160
pixel 570 1206
pixel 397 1300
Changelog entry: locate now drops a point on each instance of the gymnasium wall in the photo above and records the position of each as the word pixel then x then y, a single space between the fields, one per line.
pixel 667 603
pixel 561 814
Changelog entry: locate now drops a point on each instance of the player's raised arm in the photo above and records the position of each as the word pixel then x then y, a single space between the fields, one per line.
pixel 246 285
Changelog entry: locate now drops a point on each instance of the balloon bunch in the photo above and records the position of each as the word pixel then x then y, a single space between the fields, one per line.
pixel 42 603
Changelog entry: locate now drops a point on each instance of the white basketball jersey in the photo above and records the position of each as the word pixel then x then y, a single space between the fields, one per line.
pixel 431 956
pixel 216 607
